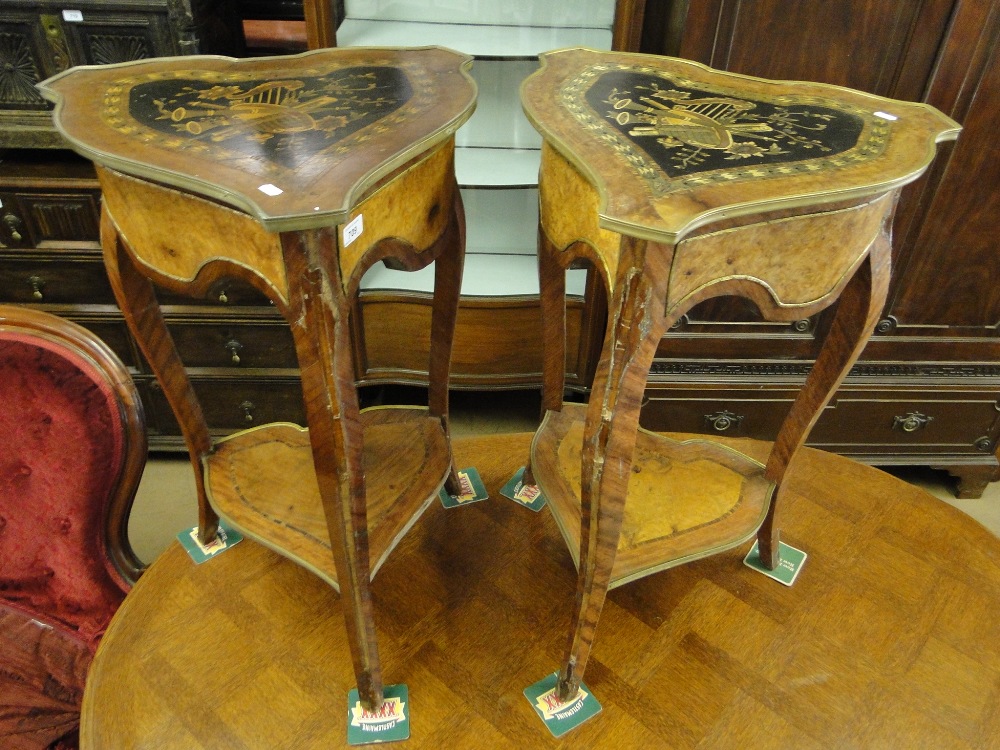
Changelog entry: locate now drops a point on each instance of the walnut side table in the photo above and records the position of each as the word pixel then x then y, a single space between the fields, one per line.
pixel 679 183
pixel 295 174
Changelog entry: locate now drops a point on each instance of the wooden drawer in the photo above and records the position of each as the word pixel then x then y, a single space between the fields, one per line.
pixel 860 420
pixel 225 293
pixel 231 404
pixel 910 421
pixel 235 343
pixel 112 331
pixel 47 217
pixel 68 277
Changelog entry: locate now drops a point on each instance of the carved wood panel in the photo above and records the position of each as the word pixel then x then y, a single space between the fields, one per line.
pixel 22 63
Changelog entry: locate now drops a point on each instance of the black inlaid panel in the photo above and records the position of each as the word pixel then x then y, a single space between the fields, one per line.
pixel 283 120
pixel 686 130
pixel 676 133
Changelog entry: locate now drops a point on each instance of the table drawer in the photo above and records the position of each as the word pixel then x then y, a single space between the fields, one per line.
pixel 224 293
pixel 858 419
pixel 231 404
pixel 234 344
pixel 55 278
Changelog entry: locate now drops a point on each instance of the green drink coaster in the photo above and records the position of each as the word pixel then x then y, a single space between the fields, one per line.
pixel 225 539
pixel 790 562
pixel 527 495
pixel 561 717
pixel 388 723
pixel 473 490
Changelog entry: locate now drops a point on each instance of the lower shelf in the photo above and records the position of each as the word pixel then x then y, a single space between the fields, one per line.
pixel 262 482
pixel 686 499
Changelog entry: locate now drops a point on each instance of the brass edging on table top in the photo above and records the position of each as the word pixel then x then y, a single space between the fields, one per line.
pixel 949 132
pixel 242 201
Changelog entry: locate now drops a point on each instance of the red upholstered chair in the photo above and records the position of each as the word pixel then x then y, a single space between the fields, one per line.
pixel 72 450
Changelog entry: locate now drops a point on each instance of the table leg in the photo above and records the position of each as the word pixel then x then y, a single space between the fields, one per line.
pixel 635 325
pixel 447 288
pixel 857 312
pixel 319 319
pixel 552 308
pixel 141 310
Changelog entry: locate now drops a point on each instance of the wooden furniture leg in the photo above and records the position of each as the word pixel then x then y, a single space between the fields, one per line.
pixel 447 288
pixel 858 311
pixel 319 318
pixel 635 325
pixel 141 310
pixel 552 308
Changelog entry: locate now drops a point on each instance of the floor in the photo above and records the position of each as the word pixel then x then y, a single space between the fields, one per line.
pixel 165 504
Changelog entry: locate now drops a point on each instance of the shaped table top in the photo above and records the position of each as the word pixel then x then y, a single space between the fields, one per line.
pixel 295 140
pixel 671 144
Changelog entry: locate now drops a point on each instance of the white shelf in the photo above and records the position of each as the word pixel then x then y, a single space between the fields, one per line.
pixel 499 118
pixel 596 13
pixel 497 167
pixel 485 276
pixel 501 42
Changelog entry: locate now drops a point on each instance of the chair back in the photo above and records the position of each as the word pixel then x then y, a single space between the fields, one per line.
pixel 72 450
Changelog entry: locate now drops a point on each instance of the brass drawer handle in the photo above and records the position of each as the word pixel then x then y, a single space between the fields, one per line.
pixel 13 224
pixel 910 422
pixel 37 284
pixel 223 297
pixel 247 407
pixel 723 420
pixel 234 348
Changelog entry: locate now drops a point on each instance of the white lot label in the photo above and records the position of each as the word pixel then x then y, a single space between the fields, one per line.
pixel 353 229
pixel 74 16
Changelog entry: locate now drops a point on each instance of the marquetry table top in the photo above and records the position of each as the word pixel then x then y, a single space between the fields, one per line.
pixel 671 144
pixel 294 140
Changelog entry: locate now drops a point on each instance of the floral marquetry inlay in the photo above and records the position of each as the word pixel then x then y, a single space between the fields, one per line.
pixel 666 146
pixel 294 140
pixel 288 121
pixel 677 133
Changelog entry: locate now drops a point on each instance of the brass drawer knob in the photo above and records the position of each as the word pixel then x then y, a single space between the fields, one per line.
pixel 36 287
pixel 13 225
pixel 234 348
pixel 910 422
pixel 723 420
pixel 247 407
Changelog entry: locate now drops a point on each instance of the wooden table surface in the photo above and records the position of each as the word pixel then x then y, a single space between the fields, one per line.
pixel 890 638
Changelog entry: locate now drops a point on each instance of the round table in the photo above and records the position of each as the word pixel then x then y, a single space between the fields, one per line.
pixel 888 638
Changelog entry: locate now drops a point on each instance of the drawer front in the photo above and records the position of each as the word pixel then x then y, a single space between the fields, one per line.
pixel 857 421
pixel 214 343
pixel 231 404
pixel 716 410
pixel 55 278
pixel 224 293
pixel 46 217
pixel 886 422
pixel 114 333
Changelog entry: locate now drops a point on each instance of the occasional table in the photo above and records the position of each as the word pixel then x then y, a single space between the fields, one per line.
pixel 296 175
pixel 677 183
pixel 889 637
